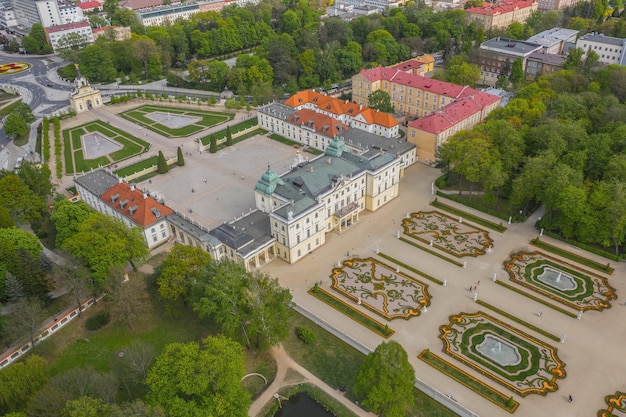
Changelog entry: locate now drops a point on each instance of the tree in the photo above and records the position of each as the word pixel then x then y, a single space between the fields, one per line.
pixel 459 72
pixel 517 73
pixel 5 218
pixel 25 319
pixel 85 407
pixel 229 137
pixel 20 381
pixel 191 379
pixel 213 143
pixel 67 217
pixel 14 240
pixel 257 307
pixel 180 158
pixel 180 268
pixel 162 167
pixel 96 64
pixel 144 49
pixel 37 178
pixel 385 381
pixel 69 46
pixel 15 125
pixel 76 280
pixel 380 100
pixel 22 204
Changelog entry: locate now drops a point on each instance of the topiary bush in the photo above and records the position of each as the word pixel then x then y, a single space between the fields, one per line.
pixel 98 321
pixel 307 335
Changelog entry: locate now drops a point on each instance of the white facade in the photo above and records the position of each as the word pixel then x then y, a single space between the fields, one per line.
pixel 378 4
pixel 52 13
pixel 56 33
pixel 161 15
pixel 7 18
pixel 610 50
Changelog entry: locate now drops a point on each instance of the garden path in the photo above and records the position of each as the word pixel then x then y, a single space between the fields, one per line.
pixel 284 362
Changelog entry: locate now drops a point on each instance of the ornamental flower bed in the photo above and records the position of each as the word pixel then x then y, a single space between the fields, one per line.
pixel 380 288
pixel 560 281
pixel 447 234
pixel 616 405
pixel 13 67
pixel 503 353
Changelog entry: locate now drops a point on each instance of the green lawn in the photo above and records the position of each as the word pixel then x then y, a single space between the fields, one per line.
pixel 207 119
pixel 137 166
pixel 220 134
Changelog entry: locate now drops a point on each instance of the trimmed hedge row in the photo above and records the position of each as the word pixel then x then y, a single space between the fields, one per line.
pixel 572 256
pixel 432 252
pixel 479 387
pixel 588 248
pixel 363 319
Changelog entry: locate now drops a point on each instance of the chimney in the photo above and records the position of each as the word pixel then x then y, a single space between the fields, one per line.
pixel 132 188
pixel 145 196
pixel 311 168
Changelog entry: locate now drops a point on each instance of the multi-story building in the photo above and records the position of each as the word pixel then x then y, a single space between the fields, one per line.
pixel 546 5
pixel 57 13
pixel 120 33
pixel 541 63
pixel 351 114
pixel 554 40
pixel 26 13
pixel 500 15
pixel 430 132
pixel 410 94
pixel 107 194
pixel 142 4
pixel 7 17
pixel 610 50
pixel 160 15
pixel 55 34
pixel 323 195
pixel 90 6
pixel 497 56
pixel 380 5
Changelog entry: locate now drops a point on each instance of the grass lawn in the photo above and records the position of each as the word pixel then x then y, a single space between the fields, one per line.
pixel 22 140
pixel 9 109
pixel 139 115
pixel 337 364
pixel 220 134
pixel 137 166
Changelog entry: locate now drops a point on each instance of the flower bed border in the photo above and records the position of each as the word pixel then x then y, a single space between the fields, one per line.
pixel 410 268
pixel 468 216
pixel 432 252
pixel 417 237
pixel 494 375
pixel 613 401
pixel 462 377
pixel 351 312
pixel 572 269
pixel 418 312
pixel 519 321
pixel 572 256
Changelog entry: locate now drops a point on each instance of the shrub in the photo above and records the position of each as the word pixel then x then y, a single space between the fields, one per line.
pixel 307 335
pixel 98 321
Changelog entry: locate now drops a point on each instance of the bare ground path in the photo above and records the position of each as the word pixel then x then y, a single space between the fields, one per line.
pixel 284 363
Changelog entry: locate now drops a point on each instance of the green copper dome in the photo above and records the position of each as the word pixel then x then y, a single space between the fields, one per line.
pixel 268 182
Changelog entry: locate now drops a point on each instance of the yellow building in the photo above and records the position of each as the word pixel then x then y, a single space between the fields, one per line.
pixel 84 96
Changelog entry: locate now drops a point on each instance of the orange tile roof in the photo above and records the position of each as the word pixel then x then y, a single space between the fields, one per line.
pixel 499 8
pixel 321 123
pixel 134 204
pixel 339 107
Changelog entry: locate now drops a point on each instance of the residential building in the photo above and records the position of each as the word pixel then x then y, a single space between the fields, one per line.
pixel 57 13
pixel 351 114
pixel 500 15
pixel 160 15
pixel 497 56
pixel 610 50
pixel 90 6
pixel 380 5
pixel 541 63
pixel 127 203
pixel 142 4
pixel 431 131
pixel 7 18
pixel 546 5
pixel 554 40
pixel 120 33
pixel 26 13
pixel 55 34
pixel 410 94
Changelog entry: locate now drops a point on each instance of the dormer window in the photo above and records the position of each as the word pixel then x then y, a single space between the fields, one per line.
pixel 133 209
pixel 114 198
pixel 123 204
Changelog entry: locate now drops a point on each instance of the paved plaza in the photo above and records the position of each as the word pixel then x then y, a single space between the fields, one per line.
pixel 213 188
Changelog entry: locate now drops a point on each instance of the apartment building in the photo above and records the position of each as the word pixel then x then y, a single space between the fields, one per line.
pixel 500 15
pixel 498 55
pixel 554 40
pixel 610 50
pixel 546 5
pixel 57 13
pixel 161 15
pixel 55 34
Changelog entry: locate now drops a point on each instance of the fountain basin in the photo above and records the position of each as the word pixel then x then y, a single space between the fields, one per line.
pixel 499 351
pixel 557 279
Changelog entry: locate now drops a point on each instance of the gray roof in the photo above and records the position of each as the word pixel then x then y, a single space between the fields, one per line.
pixel 360 139
pixel 278 110
pixel 510 46
pixel 305 183
pixel 97 182
pixel 247 234
pixel 554 35
pixel 195 230
pixel 600 38
pixel 551 59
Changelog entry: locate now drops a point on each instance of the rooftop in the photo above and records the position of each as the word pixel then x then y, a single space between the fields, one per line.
pixel 552 59
pixel 253 229
pixel 318 122
pixel 69 26
pixel 500 8
pixel 88 5
pixel 97 182
pixel 134 204
pixel 554 35
pixel 601 38
pixel 141 4
pixel 510 46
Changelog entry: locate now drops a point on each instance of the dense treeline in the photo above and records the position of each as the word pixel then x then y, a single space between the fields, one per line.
pixel 561 142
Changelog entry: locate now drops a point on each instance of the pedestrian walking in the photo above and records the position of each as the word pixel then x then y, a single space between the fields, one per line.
pixel 478 283
pixel 540 313
pixel 570 399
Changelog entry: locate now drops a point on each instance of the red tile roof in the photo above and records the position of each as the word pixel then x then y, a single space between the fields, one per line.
pixel 454 113
pixel 500 8
pixel 417 81
pixel 69 26
pixel 407 66
pixel 321 123
pixel 88 5
pixel 134 204
pixel 339 107
pixel 142 4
